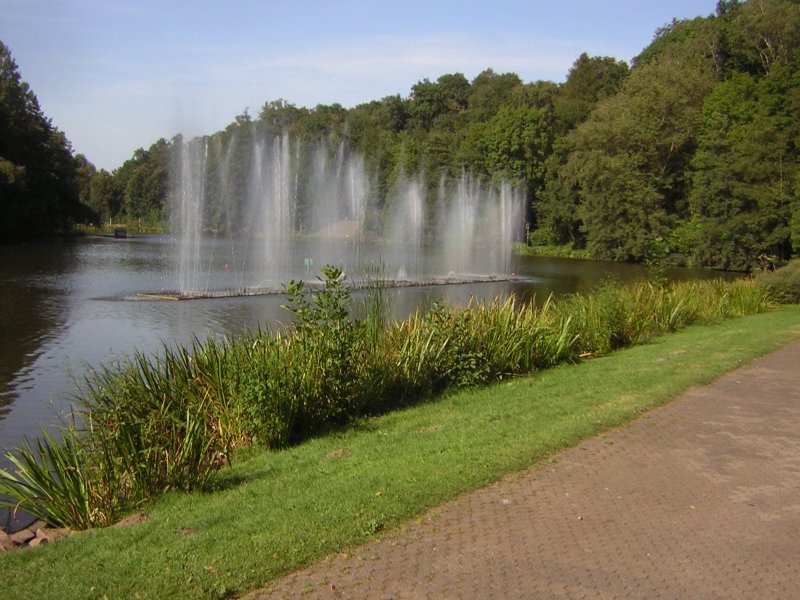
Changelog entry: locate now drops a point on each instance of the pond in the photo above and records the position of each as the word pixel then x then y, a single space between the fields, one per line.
pixel 66 306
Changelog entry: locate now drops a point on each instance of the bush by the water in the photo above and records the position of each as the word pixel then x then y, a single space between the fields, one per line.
pixel 151 424
pixel 784 283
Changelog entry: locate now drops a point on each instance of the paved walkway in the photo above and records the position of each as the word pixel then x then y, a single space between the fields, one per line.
pixel 699 499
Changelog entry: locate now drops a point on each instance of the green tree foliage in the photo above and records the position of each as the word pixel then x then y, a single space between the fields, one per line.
pixel 743 196
pixel 517 142
pixel 692 151
pixel 39 192
pixel 698 147
pixel 430 100
pixel 279 116
pixel 589 81
pixel 557 218
pixel 759 34
pixel 490 91
pixel 105 196
pixel 625 171
pixel 144 181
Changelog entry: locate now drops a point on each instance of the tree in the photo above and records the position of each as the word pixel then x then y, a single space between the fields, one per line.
pixel 144 180
pixel 743 194
pixel 620 211
pixel 490 91
pixel 428 102
pixel 589 81
pixel 517 142
pixel 280 116
pixel 38 190
pixel 761 33
pixel 455 89
pixel 557 216
pixel 105 196
pixel 539 94
pixel 649 127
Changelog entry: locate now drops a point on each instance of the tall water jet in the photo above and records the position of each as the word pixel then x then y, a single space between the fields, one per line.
pixel 404 229
pixel 337 196
pixel 276 207
pixel 271 197
pixel 187 213
pixel 457 219
pixel 509 215
pixel 478 224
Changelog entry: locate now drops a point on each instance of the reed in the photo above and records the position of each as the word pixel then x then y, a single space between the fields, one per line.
pixel 783 284
pixel 170 421
pixel 53 481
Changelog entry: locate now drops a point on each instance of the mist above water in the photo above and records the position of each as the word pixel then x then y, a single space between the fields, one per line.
pixel 281 209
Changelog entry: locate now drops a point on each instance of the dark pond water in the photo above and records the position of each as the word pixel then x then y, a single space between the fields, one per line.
pixel 63 307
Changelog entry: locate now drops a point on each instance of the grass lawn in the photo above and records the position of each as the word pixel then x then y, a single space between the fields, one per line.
pixel 276 511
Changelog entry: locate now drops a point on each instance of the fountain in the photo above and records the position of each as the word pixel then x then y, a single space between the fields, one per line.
pixel 261 209
pixel 404 228
pixel 187 215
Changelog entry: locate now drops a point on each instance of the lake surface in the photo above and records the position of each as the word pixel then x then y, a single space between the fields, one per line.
pixel 66 306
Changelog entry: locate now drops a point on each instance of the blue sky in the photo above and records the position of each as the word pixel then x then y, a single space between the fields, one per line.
pixel 118 75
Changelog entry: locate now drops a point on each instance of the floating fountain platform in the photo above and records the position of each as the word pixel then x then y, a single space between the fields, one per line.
pixel 317 284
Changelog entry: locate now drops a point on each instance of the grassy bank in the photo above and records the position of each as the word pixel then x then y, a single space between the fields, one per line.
pixel 154 424
pixel 134 227
pixel 566 251
pixel 276 511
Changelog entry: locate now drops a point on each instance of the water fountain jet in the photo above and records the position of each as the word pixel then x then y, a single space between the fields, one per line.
pixel 304 205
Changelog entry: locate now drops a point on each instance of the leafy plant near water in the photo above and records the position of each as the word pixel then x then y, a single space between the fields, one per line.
pixel 53 484
pixel 783 284
pixel 169 422
pixel 142 427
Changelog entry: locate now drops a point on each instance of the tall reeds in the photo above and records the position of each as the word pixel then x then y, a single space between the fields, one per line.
pixel 168 422
pixel 783 284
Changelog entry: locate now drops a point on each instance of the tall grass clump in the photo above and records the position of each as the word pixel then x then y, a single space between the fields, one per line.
pixel 161 422
pixel 170 421
pixel 140 428
pixel 53 482
pixel 783 284
pixel 448 347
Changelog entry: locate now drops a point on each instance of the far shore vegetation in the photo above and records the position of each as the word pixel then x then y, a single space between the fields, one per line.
pixel 554 251
pixel 688 155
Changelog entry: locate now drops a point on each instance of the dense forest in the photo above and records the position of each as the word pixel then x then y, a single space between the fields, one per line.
pixel 690 153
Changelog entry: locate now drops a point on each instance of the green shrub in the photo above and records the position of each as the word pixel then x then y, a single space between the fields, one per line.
pixel 783 284
pixel 261 380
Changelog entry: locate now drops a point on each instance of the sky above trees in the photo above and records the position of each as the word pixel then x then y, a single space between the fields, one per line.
pixel 117 75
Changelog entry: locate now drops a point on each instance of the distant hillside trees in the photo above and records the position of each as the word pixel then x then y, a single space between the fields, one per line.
pixel 691 152
pixel 697 153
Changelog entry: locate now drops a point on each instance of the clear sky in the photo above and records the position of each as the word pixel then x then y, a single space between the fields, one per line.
pixel 116 75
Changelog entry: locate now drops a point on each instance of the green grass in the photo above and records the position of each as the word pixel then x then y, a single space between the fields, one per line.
pixel 565 251
pixel 276 511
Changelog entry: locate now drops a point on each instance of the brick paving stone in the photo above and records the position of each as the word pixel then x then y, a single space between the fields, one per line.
pixel 698 499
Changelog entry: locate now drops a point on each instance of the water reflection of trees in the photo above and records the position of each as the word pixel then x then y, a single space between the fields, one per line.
pixel 32 307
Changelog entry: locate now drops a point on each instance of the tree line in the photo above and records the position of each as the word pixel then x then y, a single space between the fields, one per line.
pixel 39 193
pixel 690 153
